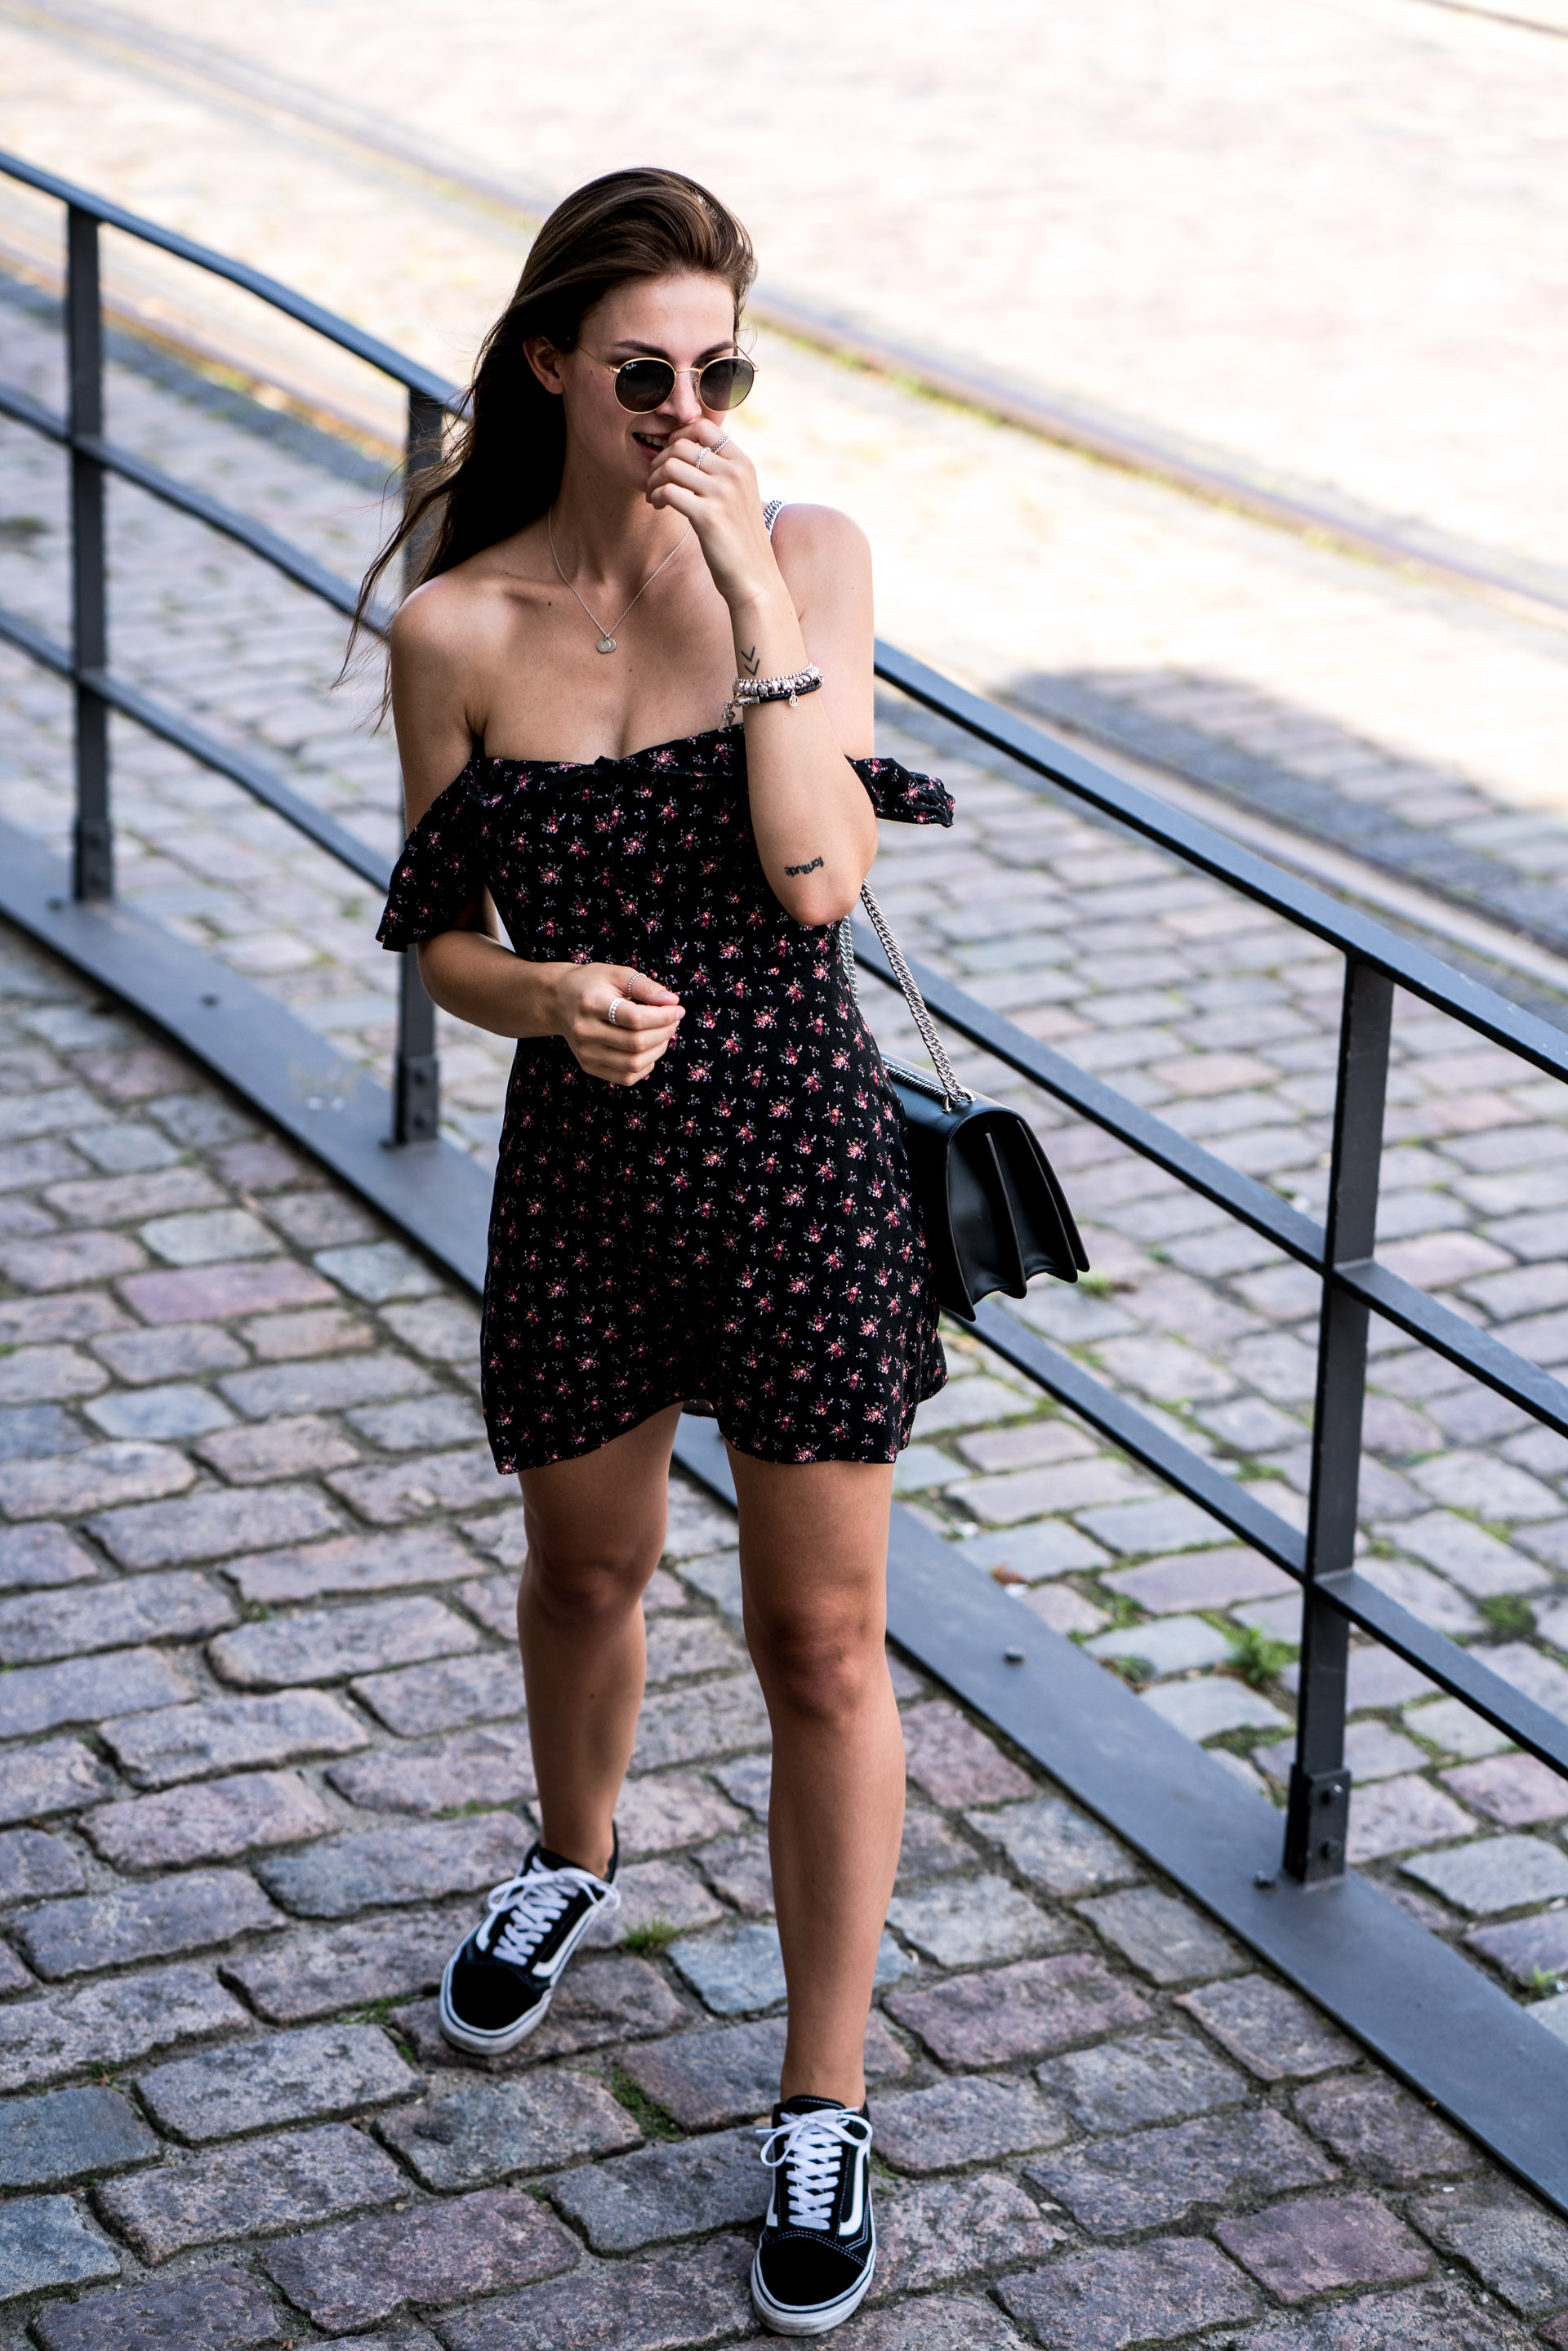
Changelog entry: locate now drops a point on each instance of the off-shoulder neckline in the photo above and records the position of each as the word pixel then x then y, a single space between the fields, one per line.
pixel 674 743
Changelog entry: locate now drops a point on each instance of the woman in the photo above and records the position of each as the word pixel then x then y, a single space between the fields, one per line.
pixel 703 1199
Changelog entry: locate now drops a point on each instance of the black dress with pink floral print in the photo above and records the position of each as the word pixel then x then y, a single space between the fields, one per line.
pixel 736 1233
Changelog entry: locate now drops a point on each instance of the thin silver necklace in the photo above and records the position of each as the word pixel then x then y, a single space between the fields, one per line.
pixel 607 635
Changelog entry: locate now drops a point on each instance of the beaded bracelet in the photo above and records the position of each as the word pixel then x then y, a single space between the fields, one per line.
pixel 748 690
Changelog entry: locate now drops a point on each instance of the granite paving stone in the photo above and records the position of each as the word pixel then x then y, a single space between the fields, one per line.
pixel 716 1575
pixel 325 1383
pixel 60 1776
pixel 1528 1947
pixel 210 1821
pixel 186 1742
pixel 378 1271
pixel 276 1448
pixel 1154 2177
pixel 61 1261
pixel 14 1976
pixel 166 1412
pixel 32 1863
pixel 212 1525
pixel 45 1625
pixel 1167 1939
pixel 362 2271
pixel 1274 2032
pixel 396 1865
pixel 936 2323
pixel 294 2179
pixel 445 1695
pixel 711 2077
pixel 37 1374
pixel 35 1556
pixel 1501 1872
pixel 323 1644
pixel 209 1237
pixel 683 1726
pixel 1538 1676
pixel 1215 1703
pixel 492 1602
pixel 665 2191
pixel 1515 2246
pixel 486 1767
pixel 180 1351
pixel 679 2303
pixel 83 1689
pixel 1050 1547
pixel 217 1293
pixel 147 1921
pixel 929 1848
pixel 948 2229
pixel 749 1779
pixel 1430 1597
pixel 1030 2009
pixel 274 2078
pixel 92 1479
pixel 679 1645
pixel 744 1969
pixel 965 1921
pixel 1519 1790
pixel 1397 1815
pixel 316 1972
pixel 953 1762
pixel 970 2118
pixel 428 1481
pixel 1204 1579
pixel 659 1893
pixel 216 2309
pixel 1315 2243
pixel 1099 2301
pixel 112 2023
pixel 1054 1843
pixel 1433 2317
pixel 351 1563
pixel 1148 2077
pixel 740 1869
pixel 1465 1554
pixel 69 2134
pixel 419 1421
pixel 1168 1644
pixel 600 2002
pixel 469 2133
pixel 47 2240
pixel 658 1813
pixel 1372 2122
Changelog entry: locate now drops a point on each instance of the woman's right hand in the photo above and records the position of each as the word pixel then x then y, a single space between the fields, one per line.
pixel 646 1017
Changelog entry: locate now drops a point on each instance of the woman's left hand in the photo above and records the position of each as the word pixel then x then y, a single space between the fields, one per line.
pixel 705 474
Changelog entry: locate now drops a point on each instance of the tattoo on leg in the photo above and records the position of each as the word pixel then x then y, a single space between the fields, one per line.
pixel 749 663
pixel 804 869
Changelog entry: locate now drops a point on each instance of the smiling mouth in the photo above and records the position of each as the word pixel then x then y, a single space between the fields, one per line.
pixel 653 441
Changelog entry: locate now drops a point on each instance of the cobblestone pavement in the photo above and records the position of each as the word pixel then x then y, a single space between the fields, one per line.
pixel 266 1744
pixel 1327 237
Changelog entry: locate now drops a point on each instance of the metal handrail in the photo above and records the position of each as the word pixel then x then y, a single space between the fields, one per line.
pixel 1353 1284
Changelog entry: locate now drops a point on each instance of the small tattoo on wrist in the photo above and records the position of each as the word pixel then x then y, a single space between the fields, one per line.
pixel 804 869
pixel 749 663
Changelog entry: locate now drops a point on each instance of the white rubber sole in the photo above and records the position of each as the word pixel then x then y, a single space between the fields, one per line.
pixel 779 2320
pixel 471 2038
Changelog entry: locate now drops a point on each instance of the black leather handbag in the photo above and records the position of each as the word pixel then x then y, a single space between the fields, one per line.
pixel 993 1210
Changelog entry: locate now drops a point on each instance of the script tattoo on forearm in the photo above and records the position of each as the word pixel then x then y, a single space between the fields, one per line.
pixel 804 869
pixel 749 663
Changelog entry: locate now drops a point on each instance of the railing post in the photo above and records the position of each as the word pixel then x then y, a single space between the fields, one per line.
pixel 1318 1820
pixel 416 1078
pixel 92 874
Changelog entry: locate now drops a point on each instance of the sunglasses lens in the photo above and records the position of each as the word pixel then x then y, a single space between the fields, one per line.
pixel 644 384
pixel 723 384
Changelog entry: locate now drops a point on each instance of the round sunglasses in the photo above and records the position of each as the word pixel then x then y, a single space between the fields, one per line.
pixel 643 385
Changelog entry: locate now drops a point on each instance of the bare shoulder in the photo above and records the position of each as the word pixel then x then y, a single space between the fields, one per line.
pixel 444 619
pixel 819 538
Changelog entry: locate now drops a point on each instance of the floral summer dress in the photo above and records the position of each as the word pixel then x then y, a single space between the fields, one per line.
pixel 735 1233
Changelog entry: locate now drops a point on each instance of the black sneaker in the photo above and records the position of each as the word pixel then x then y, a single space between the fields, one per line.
pixel 499 1983
pixel 818 2247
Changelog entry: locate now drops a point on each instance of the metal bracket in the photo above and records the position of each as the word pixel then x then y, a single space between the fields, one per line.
pixel 1317 1825
pixel 418 1108
pixel 92 862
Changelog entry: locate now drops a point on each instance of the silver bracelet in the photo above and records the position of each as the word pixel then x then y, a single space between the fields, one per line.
pixel 746 691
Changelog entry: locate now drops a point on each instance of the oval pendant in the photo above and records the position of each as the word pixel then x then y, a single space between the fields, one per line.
pixel 606 645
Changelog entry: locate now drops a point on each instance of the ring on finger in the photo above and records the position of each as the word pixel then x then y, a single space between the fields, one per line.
pixel 614 1007
pixel 722 443
pixel 702 456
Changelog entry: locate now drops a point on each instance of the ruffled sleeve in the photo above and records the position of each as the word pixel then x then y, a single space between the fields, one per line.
pixel 440 873
pixel 903 796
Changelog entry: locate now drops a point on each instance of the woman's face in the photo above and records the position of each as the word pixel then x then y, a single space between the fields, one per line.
pixel 686 320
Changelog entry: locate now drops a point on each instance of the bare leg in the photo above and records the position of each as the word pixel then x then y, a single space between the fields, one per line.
pixel 813 1562
pixel 596 1528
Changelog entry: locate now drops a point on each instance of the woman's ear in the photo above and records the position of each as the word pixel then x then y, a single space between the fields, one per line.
pixel 545 360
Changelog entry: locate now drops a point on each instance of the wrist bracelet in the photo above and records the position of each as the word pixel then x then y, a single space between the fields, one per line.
pixel 746 691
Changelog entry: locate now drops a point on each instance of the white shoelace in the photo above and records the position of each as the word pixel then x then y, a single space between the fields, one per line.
pixel 527 1907
pixel 812 2146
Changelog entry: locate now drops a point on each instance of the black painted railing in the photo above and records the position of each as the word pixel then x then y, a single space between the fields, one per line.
pixel 1335 1595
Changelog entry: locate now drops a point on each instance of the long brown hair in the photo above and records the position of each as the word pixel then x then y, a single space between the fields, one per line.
pixel 503 467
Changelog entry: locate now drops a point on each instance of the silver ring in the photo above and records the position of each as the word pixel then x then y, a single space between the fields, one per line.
pixel 702 454
pixel 609 1015
pixel 722 443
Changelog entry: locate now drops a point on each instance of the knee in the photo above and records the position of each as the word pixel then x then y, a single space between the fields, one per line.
pixel 828 1666
pixel 572 1587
